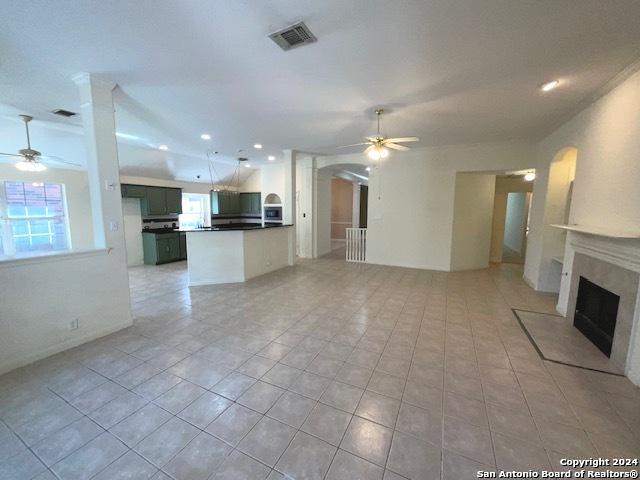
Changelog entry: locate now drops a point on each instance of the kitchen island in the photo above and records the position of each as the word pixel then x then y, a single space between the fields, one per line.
pixel 221 254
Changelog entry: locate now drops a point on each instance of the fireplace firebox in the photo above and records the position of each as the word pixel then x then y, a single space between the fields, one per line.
pixel 596 313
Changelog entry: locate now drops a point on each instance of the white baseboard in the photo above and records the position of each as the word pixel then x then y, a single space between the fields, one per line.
pixel 61 347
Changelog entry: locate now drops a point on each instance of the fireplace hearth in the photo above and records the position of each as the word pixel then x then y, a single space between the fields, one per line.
pixel 596 314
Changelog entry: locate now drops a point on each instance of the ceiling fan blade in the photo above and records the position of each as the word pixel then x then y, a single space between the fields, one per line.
pixel 403 139
pixel 10 154
pixel 48 159
pixel 395 146
pixel 354 145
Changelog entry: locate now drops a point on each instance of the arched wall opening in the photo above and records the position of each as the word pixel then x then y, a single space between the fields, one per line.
pixel 341 202
pixel 557 210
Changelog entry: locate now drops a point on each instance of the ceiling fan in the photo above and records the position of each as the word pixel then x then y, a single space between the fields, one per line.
pixel 30 160
pixel 378 145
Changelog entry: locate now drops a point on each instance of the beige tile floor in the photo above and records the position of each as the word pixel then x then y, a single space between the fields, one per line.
pixel 327 370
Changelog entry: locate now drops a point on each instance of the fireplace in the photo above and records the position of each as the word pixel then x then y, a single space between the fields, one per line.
pixel 596 314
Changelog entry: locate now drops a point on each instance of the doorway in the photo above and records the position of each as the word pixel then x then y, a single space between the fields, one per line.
pixel 511 212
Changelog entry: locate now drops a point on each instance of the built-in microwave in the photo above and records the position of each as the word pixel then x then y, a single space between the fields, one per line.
pixel 273 214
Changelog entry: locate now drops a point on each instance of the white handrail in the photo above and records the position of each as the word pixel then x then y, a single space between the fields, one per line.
pixel 356 245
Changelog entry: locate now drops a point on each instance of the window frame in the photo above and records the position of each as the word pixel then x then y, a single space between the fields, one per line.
pixel 8 238
pixel 205 201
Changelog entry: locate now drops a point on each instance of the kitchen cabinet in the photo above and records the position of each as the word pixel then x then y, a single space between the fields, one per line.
pixel 245 203
pixel 161 201
pixel 133 191
pixel 173 200
pixel 225 203
pixel 183 245
pixel 162 247
pixel 250 203
pixel 235 203
pixel 256 203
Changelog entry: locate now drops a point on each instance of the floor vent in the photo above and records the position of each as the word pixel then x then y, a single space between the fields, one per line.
pixel 294 36
pixel 64 113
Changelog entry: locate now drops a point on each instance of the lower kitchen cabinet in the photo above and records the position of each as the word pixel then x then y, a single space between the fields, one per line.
pixel 163 247
pixel 183 246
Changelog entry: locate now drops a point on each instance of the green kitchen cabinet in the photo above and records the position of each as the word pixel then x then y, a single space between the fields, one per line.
pixel 256 203
pixel 183 246
pixel 173 200
pixel 245 203
pixel 133 191
pixel 250 203
pixel 225 203
pixel 161 201
pixel 155 202
pixel 234 203
pixel 161 247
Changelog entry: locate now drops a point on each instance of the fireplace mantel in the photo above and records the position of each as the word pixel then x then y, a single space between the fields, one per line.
pixel 599 231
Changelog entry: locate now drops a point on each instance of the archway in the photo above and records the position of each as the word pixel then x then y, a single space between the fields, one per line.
pixel 341 203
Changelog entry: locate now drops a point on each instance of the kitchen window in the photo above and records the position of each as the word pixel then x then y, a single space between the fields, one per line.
pixel 196 210
pixel 33 219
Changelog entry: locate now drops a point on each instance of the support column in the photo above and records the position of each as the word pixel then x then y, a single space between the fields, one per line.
pixel 98 118
pixel 306 217
pixel 289 200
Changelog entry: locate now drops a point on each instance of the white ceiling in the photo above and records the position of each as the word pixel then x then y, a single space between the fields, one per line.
pixel 449 71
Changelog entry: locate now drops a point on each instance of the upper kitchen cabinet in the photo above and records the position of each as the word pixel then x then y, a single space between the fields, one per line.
pixel 133 191
pixel 161 201
pixel 173 200
pixel 250 203
pixel 256 203
pixel 225 203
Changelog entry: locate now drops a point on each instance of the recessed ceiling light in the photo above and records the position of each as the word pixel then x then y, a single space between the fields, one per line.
pixel 247 165
pixel 257 146
pixel 271 158
pixel 205 136
pixel 368 169
pixel 529 176
pixel 163 147
pixel 547 87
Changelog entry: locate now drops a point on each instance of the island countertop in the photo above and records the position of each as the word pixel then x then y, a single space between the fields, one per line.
pixel 224 228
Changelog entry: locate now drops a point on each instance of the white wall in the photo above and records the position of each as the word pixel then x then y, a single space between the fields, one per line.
pixel 272 180
pixel 515 221
pixel 187 187
pixel 355 217
pixel 41 296
pixel 77 195
pixel 306 174
pixel 607 174
pixel 323 213
pixel 411 198
pixel 473 212
pixel 132 221
pixel 253 183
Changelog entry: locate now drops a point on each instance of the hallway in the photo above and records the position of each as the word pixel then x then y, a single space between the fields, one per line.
pixel 323 370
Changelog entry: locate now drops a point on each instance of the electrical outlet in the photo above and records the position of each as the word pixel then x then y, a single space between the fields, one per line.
pixel 74 324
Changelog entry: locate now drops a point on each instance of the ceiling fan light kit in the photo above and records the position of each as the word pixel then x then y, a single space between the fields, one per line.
pixel 379 145
pixel 30 166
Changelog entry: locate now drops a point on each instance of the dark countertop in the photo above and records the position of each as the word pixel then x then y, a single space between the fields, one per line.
pixel 218 228
pixel 222 228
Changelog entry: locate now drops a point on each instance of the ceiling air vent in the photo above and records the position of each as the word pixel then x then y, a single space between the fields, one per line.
pixel 293 36
pixel 64 113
